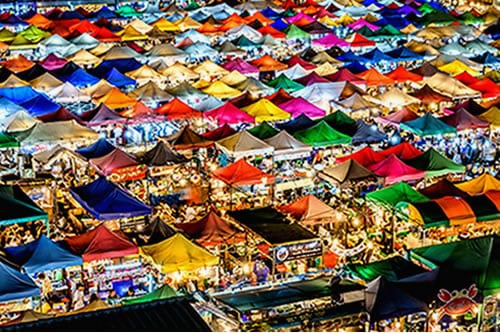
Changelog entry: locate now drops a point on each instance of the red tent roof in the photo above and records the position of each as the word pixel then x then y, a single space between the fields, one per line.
pixel 365 157
pixel 394 170
pixel 297 60
pixel 428 95
pixel 219 133
pixel 212 230
pixel 242 173
pixel 269 30
pixel 404 151
pixel 463 120
pixel 443 188
pixel 309 210
pixel 398 117
pixel 466 78
pixel 345 75
pixel 279 97
pixel 358 40
pixel 177 109
pixel 488 88
pixel 401 74
pixel 101 243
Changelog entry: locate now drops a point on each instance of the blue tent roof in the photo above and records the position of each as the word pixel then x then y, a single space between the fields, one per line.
pixel 106 13
pixel 279 25
pixel 18 95
pixel 106 201
pixel 40 106
pixel 349 56
pixel 365 133
pixel 42 254
pixel 122 65
pixel 356 68
pixel 297 124
pixel 403 53
pixel 117 79
pixel 270 13
pixel 98 149
pixel 81 78
pixel 376 55
pixel 15 285
pixel 71 14
pixel 14 20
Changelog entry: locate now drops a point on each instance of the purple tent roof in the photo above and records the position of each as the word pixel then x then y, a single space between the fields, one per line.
pixel 53 62
pixel 330 40
pixel 114 160
pixel 241 66
pixel 104 116
pixel 299 106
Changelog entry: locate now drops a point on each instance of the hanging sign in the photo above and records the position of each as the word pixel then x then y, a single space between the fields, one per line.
pixel 458 302
pixel 298 251
pixel 129 173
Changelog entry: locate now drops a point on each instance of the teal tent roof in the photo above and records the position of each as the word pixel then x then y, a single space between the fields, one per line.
pixel 427 125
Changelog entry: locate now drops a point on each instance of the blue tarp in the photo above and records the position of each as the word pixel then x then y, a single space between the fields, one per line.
pixel 81 79
pixel 297 124
pixel 367 134
pixel 98 149
pixel 106 201
pixel 41 255
pixel 18 95
pixel 117 79
pixel 40 106
pixel 15 285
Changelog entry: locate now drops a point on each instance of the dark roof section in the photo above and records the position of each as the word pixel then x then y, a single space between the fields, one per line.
pixel 174 314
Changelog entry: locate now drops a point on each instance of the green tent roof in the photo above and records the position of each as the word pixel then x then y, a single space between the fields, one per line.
pixel 469 18
pixel 21 208
pixel 387 31
pixel 7 141
pixel 341 122
pixel 6 35
pixel 427 125
pixel 321 135
pixel 426 9
pixel 163 292
pixel 127 11
pixel 34 34
pixel 434 164
pixel 243 41
pixel 393 195
pixel 477 260
pixel 283 82
pixel 263 131
pixel 294 32
pixel 392 269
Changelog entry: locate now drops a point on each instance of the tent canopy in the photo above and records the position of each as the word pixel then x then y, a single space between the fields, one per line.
pixel 242 173
pixel 21 208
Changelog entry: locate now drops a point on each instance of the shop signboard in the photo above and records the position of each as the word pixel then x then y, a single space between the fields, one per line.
pixel 300 250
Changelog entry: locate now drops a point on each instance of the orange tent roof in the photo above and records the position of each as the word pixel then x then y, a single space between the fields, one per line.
pixel 39 21
pixel 208 28
pixel 267 63
pixel 177 109
pixel 259 17
pixel 401 74
pixel 230 25
pixel 115 99
pixel 139 110
pixel 18 64
pixel 309 210
pixel 242 173
pixel 358 40
pixel 375 78
pixel 234 18
pixel 269 30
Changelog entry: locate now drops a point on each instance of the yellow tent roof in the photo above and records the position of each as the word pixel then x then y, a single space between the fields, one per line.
pixel 492 116
pixel 328 21
pixel 177 253
pixel 13 81
pixel 344 20
pixel 457 67
pixel 84 58
pixel 208 67
pixel 221 90
pixel 187 23
pixel 131 33
pixel 180 72
pixel 325 69
pixel 115 99
pixel 265 110
pixel 165 25
pixel 233 78
pixel 140 26
pixel 201 84
pixel 479 185
pixel 99 89
pixel 145 73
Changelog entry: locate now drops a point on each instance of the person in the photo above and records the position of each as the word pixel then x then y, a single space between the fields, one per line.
pixel 112 297
pixel 79 298
pixel 130 292
pixel 46 285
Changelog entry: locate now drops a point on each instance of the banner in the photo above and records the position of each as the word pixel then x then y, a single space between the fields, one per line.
pixel 128 173
pixel 302 250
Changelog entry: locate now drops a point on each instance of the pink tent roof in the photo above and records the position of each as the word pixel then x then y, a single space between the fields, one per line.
pixel 330 40
pixel 298 106
pixel 241 66
pixel 463 120
pixel 53 62
pixel 365 157
pixel 358 24
pixel 229 114
pixel 398 117
pixel 300 17
pixel 312 78
pixel 116 159
pixel 404 151
pixel 394 170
